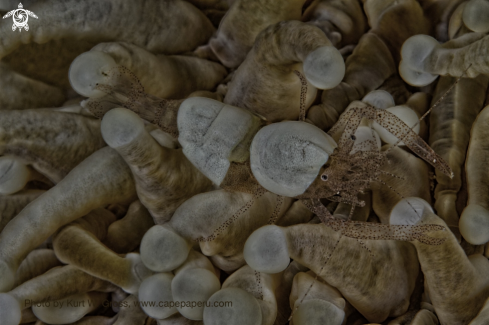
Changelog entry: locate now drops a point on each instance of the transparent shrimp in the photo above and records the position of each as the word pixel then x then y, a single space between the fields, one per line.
pixel 347 175
pixel 124 89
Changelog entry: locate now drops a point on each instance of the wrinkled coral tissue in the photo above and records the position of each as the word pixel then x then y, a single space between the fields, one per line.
pixel 244 162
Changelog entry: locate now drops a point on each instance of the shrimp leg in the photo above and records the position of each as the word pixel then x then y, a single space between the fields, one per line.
pixel 394 125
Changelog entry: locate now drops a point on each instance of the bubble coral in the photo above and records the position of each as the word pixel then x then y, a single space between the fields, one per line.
pixel 187 159
pixel 278 51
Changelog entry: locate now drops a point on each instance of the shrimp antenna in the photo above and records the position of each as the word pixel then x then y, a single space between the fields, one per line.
pixel 435 104
pixel 302 114
pixel 316 277
pixel 446 93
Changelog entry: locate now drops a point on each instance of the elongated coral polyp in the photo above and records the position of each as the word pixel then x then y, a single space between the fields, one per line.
pixel 244 162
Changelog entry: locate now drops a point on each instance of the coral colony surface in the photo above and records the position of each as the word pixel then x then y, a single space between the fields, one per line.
pixel 244 162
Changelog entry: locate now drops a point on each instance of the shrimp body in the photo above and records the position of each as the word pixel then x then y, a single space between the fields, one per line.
pixel 346 175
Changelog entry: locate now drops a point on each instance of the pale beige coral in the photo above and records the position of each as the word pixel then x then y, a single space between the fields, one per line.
pixel 418 301
pixel 482 316
pixel 11 205
pixel 100 179
pixel 130 313
pixel 397 88
pixel 282 293
pixel 6 5
pixel 425 317
pixel 211 4
pixel 15 175
pixel 323 250
pixel 316 302
pixel 86 23
pixel 36 263
pixel 28 316
pixel 196 260
pixel 163 250
pixel 195 281
pixel 450 125
pixel 456 26
pixel 474 14
pixel 213 135
pixel 164 76
pixel 457 284
pixel 124 235
pixel 76 306
pixel 297 213
pixel 377 280
pixel 48 62
pixel 260 288
pixel 395 21
pixel 79 244
pixel 379 99
pixel 94 320
pixel 150 24
pixel 242 23
pixel 164 177
pixel 178 319
pixel 408 177
pixel 51 142
pixel 286 157
pixel 157 288
pixel 265 82
pixel 474 220
pixel 24 92
pixel 367 68
pixel 57 283
pixel 439 13
pixel 222 221
pixel 419 102
pixel 423 58
pixel 342 21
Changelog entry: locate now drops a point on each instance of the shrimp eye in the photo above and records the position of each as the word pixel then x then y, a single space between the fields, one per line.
pixel 324 177
pixel 353 137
